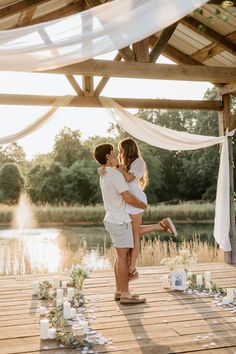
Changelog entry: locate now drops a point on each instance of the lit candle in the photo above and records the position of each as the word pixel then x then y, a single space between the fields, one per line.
pixel 44 329
pixel 60 294
pixel 207 277
pixel 199 280
pixel 35 286
pixel 85 327
pixel 56 282
pixel 189 275
pixel 208 285
pixel 70 293
pixel 59 302
pixel 165 281
pixel 67 310
pixel 64 284
pixel 52 333
pixel 73 312
pixel 230 294
pixel 42 310
pixel 78 330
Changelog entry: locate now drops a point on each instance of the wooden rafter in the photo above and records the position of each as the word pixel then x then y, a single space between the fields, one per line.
pixel 87 101
pixel 75 85
pixel 141 51
pixel 212 49
pixel 19 6
pixel 102 83
pixel 88 85
pixel 25 17
pixel 209 33
pixel 149 71
pixel 226 89
pixel 161 42
pixel 127 53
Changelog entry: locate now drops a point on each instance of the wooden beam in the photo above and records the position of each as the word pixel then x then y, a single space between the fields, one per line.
pixel 230 88
pixel 87 101
pixel 75 85
pixel 209 33
pixel 141 51
pixel 26 16
pixel 162 42
pixel 102 83
pixel 88 85
pixel 212 49
pixel 149 71
pixel 19 6
pixel 127 54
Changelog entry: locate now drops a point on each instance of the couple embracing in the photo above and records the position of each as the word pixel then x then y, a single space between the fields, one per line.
pixel 122 181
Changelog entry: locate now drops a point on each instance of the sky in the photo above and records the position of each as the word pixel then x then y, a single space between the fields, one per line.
pixel 90 121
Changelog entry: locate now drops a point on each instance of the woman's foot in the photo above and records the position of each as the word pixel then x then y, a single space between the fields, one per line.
pixel 133 274
pixel 168 226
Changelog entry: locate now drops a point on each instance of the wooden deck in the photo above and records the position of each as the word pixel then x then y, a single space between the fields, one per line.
pixel 170 322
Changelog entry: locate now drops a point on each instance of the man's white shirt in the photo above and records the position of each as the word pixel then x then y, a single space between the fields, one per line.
pixel 112 184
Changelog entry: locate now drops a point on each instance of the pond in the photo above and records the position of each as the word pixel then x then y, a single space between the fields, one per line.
pixel 53 250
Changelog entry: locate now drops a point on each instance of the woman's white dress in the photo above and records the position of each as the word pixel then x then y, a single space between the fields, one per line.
pixel 138 169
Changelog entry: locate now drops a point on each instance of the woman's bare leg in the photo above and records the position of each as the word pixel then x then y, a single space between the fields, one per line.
pixel 136 225
pixel 145 229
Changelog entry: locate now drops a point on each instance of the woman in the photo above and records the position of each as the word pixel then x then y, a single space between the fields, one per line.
pixel 133 167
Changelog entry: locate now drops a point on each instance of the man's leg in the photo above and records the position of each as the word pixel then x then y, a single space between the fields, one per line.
pixel 118 291
pixel 122 270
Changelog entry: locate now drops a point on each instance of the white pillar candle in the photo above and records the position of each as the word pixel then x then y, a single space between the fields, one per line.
pixel 207 277
pixel 189 275
pixel 64 284
pixel 73 312
pixel 44 329
pixel 85 327
pixel 52 333
pixel 67 310
pixel 59 302
pixel 60 294
pixel 56 282
pixel 226 300
pixel 230 294
pixel 35 287
pixel 70 293
pixel 199 279
pixel 78 330
pixel 42 310
pixel 208 285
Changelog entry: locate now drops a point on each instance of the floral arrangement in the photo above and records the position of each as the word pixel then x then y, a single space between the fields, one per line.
pixel 43 293
pixel 78 274
pixel 184 259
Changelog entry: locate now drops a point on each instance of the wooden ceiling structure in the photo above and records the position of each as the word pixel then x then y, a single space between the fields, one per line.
pixel 202 44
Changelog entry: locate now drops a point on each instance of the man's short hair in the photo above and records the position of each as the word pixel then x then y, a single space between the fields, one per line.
pixel 101 151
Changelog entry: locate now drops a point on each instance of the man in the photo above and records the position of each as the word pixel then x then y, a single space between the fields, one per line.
pixel 115 194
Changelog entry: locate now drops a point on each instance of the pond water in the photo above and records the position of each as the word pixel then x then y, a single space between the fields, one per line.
pixel 52 250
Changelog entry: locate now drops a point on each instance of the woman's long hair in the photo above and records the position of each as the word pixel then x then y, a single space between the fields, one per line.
pixel 128 152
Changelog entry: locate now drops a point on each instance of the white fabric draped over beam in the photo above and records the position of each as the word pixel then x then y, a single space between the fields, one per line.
pixel 173 140
pixel 87 34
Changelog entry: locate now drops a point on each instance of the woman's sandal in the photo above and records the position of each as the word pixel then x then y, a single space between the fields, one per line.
pixel 133 275
pixel 132 299
pixel 168 226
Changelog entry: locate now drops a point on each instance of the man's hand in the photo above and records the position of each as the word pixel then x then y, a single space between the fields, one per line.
pixel 132 200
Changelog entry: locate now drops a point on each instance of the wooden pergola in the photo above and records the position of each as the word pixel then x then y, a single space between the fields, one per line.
pixel 203 45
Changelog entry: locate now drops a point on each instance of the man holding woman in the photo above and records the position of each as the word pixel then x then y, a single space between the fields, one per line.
pixel 125 201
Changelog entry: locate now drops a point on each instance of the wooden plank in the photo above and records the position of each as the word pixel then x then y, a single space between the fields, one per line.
pixel 26 16
pixel 212 49
pixel 230 88
pixel 19 6
pixel 149 71
pixel 36 100
pixel 88 86
pixel 127 54
pixel 161 42
pixel 210 34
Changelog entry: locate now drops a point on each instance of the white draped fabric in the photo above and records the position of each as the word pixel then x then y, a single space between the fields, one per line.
pixel 87 34
pixel 173 140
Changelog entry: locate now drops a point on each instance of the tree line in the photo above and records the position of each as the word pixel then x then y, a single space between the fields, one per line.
pixel 68 174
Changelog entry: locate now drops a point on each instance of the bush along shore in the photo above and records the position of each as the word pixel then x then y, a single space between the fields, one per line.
pixel 77 214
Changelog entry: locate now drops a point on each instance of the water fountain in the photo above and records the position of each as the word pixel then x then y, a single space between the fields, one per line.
pixel 23 217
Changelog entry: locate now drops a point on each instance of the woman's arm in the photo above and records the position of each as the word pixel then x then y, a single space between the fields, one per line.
pixel 128 176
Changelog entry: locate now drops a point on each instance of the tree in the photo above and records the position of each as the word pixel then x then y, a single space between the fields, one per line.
pixel 12 153
pixel 11 183
pixel 68 147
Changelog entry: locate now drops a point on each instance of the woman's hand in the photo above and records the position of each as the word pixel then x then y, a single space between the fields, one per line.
pixel 101 171
pixel 112 160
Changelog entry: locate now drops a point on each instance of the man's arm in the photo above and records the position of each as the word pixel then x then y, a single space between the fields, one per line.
pixel 132 200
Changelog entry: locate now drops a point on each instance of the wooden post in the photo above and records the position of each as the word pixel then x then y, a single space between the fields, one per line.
pixel 224 123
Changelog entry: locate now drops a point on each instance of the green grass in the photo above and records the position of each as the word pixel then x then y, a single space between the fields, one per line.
pixel 185 212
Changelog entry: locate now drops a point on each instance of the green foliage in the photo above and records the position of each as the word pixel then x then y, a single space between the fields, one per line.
pixel 11 183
